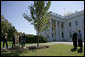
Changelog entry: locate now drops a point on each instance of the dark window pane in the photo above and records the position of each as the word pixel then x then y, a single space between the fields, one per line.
pixel 62 34
pixel 69 24
pixel 76 23
pixel 62 25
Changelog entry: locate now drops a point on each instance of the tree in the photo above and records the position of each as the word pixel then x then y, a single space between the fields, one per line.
pixel 7 27
pixel 39 16
pixel 11 32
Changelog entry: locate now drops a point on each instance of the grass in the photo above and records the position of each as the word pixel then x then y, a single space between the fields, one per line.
pixel 10 43
pixel 53 50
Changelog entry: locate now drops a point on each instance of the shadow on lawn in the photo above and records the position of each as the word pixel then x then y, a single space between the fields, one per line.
pixel 78 50
pixel 11 53
pixel 18 51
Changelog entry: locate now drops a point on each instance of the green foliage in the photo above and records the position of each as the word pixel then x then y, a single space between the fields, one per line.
pixel 39 15
pixel 6 27
pixel 11 32
pixel 33 39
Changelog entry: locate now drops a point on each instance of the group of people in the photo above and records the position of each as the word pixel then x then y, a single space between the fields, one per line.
pixel 77 37
pixel 22 40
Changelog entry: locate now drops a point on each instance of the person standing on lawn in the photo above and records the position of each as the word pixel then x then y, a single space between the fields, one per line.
pixel 80 44
pixel 5 38
pixel 21 40
pixel 24 39
pixel 74 39
pixel 13 40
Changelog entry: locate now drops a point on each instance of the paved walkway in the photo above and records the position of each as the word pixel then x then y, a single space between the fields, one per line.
pixel 53 43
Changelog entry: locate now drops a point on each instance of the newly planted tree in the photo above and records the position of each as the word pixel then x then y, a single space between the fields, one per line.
pixel 39 16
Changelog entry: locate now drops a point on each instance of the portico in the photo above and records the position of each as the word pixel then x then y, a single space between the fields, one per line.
pixel 61 27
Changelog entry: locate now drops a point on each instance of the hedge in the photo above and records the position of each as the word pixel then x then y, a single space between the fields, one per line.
pixel 33 39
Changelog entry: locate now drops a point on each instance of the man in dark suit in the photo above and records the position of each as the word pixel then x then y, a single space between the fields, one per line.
pixel 13 40
pixel 74 38
pixel 80 44
pixel 23 40
pixel 5 38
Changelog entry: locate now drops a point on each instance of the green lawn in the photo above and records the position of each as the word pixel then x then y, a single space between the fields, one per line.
pixel 53 50
pixel 10 43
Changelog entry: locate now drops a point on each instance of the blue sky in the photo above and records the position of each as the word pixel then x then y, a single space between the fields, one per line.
pixel 13 10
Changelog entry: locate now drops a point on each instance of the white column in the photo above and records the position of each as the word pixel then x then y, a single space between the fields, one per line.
pixel 50 31
pixel 57 38
pixel 60 31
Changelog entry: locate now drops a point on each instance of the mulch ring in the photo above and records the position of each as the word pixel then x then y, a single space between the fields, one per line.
pixel 24 48
pixel 35 47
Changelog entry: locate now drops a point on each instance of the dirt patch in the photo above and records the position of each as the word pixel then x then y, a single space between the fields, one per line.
pixel 40 47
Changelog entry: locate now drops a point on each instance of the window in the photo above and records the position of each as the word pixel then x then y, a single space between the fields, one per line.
pixel 52 34
pixel 62 34
pixel 69 24
pixel 62 25
pixel 52 28
pixel 76 23
pixel 70 34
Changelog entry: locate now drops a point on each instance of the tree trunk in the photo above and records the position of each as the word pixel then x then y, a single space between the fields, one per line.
pixel 38 33
pixel 38 40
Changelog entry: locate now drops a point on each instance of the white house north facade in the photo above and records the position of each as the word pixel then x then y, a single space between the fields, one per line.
pixel 62 27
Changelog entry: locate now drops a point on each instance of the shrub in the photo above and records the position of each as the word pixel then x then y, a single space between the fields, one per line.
pixel 33 39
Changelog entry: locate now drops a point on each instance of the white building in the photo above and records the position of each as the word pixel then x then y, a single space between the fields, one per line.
pixel 61 27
